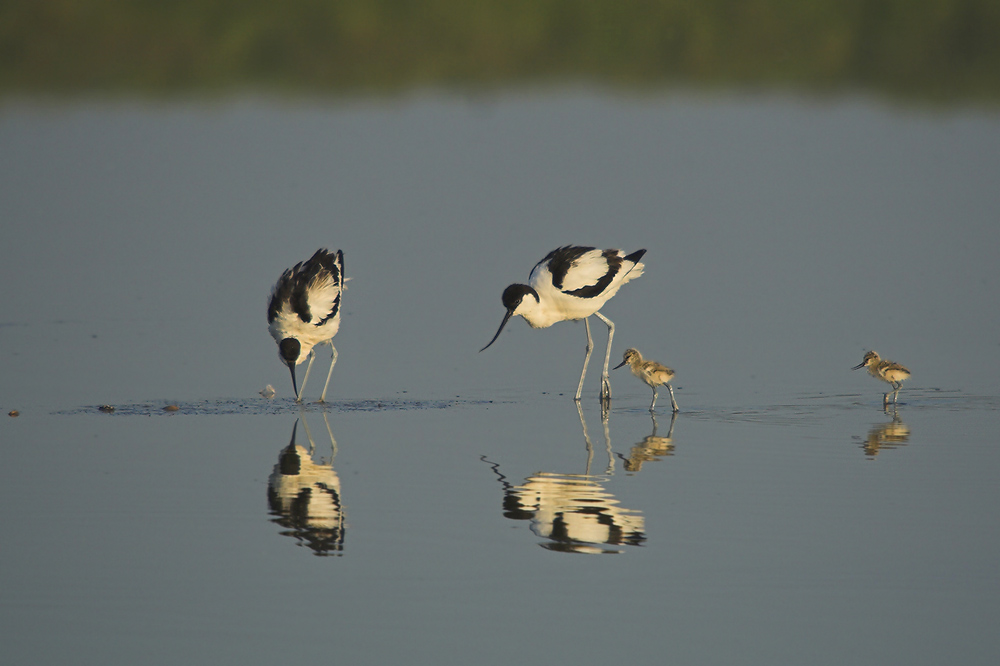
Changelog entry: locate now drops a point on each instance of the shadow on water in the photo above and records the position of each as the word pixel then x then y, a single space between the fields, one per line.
pixel 303 494
pixel 652 447
pixel 574 513
pixel 885 436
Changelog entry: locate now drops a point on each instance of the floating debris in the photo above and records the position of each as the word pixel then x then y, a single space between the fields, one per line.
pixel 171 408
pixel 13 413
pixel 107 409
pixel 268 392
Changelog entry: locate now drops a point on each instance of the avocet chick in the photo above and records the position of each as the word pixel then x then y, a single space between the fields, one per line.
pixel 888 371
pixel 653 373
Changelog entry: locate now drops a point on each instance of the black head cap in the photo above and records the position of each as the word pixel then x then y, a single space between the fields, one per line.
pixel 512 297
pixel 514 294
pixel 289 349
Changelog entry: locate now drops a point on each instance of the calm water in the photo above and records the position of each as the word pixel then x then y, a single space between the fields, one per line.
pixel 455 507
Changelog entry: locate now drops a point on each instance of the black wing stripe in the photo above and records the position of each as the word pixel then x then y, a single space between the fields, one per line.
pixel 561 260
pixel 596 289
pixel 635 256
pixel 333 311
pixel 293 285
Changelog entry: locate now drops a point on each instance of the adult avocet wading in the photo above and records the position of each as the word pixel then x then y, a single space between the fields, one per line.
pixel 888 371
pixel 304 311
pixel 569 284
pixel 653 373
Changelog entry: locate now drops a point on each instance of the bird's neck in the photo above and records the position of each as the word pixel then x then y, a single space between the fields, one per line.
pixel 538 317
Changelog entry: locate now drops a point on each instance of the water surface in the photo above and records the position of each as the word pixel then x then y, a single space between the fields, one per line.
pixel 456 507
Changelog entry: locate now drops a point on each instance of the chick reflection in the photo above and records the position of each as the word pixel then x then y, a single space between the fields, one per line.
pixel 651 447
pixel 304 496
pixel 574 512
pixel 885 436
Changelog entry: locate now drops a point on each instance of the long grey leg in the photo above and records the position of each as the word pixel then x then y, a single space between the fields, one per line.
pixel 333 442
pixel 333 361
pixel 673 403
pixel 586 437
pixel 607 443
pixel 653 404
pixel 605 378
pixel 312 444
pixel 586 359
pixel 302 389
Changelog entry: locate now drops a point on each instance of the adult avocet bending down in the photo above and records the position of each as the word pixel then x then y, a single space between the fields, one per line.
pixel 569 284
pixel 304 311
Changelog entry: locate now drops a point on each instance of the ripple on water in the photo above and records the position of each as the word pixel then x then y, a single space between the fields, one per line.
pixel 264 406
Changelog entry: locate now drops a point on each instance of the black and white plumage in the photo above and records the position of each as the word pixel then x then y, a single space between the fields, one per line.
pixel 569 284
pixel 304 311
pixel 304 496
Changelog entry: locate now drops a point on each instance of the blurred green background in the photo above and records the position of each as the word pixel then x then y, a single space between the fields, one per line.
pixel 946 50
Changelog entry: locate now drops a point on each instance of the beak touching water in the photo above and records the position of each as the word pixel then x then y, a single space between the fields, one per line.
pixel 506 318
pixel 295 387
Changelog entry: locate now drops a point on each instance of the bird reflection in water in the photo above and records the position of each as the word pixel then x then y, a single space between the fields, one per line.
pixel 304 495
pixel 652 447
pixel 574 512
pixel 885 436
